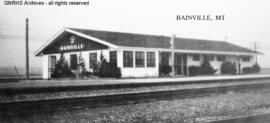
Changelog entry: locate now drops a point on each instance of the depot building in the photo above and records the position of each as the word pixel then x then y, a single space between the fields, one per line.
pixel 139 55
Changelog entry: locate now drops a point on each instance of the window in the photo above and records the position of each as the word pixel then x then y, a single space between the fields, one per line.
pixel 113 57
pixel 164 58
pixel 209 57
pixel 73 61
pixel 151 59
pixel 221 58
pixel 92 60
pixel 196 57
pixel 139 60
pixel 246 58
pixel 128 58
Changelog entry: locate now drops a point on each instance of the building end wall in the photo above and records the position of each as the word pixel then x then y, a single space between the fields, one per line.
pixel 45 67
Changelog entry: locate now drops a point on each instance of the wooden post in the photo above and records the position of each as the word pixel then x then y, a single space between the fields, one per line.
pixel 173 54
pixel 187 69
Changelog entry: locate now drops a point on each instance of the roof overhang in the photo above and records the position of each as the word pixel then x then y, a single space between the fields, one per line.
pixel 190 51
pixel 49 42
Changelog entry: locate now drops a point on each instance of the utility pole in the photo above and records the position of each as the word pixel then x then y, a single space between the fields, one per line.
pixel 27 48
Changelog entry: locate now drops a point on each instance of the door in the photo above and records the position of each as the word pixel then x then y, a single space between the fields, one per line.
pixel 178 64
pixel 52 64
pixel 73 61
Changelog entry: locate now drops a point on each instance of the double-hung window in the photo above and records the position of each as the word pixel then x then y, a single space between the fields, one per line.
pixel 151 59
pixel 221 58
pixel 196 57
pixel 246 58
pixel 128 58
pixel 139 59
pixel 113 57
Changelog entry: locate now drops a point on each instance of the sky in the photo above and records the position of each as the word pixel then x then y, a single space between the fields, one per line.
pixel 246 22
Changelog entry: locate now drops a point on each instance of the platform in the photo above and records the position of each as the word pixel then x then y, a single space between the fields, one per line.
pixel 95 82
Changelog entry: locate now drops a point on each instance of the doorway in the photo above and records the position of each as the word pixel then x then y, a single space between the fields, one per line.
pixel 73 61
pixel 52 64
pixel 180 64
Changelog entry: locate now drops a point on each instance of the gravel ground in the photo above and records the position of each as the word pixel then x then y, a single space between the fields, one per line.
pixel 188 110
pixel 88 93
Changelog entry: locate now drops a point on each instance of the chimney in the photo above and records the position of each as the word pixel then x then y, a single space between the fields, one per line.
pixel 172 41
pixel 226 39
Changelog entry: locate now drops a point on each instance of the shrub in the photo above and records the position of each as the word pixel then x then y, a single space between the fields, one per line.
pixel 246 70
pixel 86 73
pixel 194 70
pixel 254 69
pixel 106 69
pixel 228 68
pixel 165 69
pixel 62 69
pixel 206 68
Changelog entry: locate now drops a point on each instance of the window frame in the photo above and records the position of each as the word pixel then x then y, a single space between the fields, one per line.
pixel 151 59
pixel 196 57
pixel 211 57
pixel 139 59
pixel 128 60
pixel 113 57
pixel 221 58
pixel 246 58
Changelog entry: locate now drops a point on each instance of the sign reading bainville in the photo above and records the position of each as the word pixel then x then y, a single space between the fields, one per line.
pixel 72 43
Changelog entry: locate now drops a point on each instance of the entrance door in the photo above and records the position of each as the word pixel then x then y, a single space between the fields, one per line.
pixel 178 59
pixel 52 64
pixel 180 63
pixel 73 61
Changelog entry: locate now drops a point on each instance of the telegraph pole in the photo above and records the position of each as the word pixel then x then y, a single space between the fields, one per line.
pixel 27 48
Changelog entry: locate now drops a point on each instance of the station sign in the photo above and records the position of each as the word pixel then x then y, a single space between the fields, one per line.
pixel 72 43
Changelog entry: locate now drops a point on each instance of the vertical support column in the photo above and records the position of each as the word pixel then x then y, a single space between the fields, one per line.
pixel 157 56
pixel 173 53
pixel 239 64
pixel 45 67
pixel 173 65
pixel 120 58
pixel 145 59
pixel 182 65
pixel 187 69
pixel 134 58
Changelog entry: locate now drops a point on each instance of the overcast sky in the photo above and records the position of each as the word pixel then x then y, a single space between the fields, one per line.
pixel 246 22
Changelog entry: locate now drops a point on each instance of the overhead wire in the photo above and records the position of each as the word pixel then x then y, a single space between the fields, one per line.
pixel 10 61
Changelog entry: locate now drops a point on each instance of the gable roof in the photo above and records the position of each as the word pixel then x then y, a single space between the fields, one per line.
pixel 115 39
pixel 154 41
